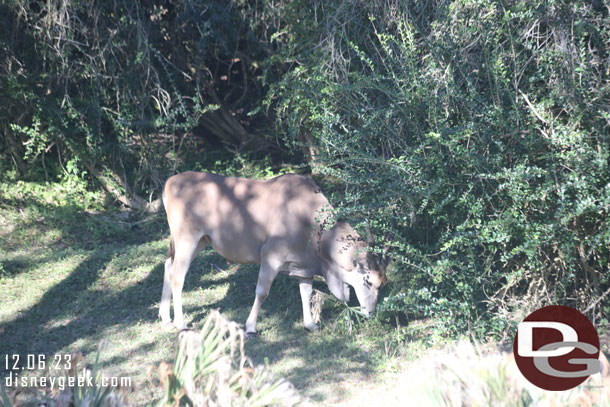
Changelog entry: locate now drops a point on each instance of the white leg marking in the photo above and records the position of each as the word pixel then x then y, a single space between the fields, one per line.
pixel 166 293
pixel 185 251
pixel 266 275
pixel 306 289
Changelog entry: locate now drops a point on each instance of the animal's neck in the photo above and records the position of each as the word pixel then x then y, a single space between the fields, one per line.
pixel 341 245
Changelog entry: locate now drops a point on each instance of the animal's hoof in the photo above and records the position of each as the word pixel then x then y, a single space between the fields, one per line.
pixel 167 325
pixel 312 327
pixel 181 326
pixel 251 335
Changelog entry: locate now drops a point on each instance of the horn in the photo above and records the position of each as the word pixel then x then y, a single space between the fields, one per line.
pixel 369 236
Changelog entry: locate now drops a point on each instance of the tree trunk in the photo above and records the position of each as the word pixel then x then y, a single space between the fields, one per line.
pixel 111 183
pixel 310 149
pixel 222 124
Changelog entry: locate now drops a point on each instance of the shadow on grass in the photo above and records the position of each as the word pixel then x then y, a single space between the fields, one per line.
pixel 81 306
pixel 52 229
pixel 71 310
pixel 311 361
pixel 77 306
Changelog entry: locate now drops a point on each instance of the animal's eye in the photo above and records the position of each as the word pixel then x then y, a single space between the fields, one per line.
pixel 367 280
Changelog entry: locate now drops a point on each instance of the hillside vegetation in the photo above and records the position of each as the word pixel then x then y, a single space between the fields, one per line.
pixel 474 136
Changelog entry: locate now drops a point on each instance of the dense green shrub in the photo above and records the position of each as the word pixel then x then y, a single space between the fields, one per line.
pixel 131 92
pixel 481 129
pixel 474 135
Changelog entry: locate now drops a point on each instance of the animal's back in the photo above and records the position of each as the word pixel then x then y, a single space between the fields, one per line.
pixel 239 215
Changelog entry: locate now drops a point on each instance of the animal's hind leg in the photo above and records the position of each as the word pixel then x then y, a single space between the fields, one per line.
pixel 166 293
pixel 266 275
pixel 186 249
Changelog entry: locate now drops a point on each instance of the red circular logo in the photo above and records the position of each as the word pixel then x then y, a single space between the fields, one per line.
pixel 556 348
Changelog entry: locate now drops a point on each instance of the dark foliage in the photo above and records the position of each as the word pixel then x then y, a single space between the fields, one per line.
pixel 474 135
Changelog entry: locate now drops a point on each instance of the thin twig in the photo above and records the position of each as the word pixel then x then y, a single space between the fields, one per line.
pixel 594 303
pixel 533 109
pixel 218 268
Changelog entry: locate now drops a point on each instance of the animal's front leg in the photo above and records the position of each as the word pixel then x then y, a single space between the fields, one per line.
pixel 266 275
pixel 306 289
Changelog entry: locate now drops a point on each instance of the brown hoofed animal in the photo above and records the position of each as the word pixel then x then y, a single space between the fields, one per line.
pixel 278 223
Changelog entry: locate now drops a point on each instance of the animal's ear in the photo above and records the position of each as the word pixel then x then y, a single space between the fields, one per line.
pixel 373 261
pixel 385 260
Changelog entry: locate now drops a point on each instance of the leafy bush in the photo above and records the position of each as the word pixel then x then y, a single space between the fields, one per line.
pixel 134 91
pixel 474 135
pixel 480 129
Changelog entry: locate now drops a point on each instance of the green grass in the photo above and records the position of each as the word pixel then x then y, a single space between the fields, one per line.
pixel 72 277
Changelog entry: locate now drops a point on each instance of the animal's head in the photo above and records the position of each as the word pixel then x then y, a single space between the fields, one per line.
pixel 368 277
pixel 356 263
pixel 369 274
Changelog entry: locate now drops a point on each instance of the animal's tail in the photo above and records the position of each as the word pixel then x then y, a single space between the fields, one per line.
pixel 172 250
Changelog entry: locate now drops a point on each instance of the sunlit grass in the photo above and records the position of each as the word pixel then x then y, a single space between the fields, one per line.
pixel 73 278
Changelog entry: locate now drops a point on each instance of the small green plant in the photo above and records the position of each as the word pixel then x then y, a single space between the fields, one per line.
pixel 211 368
pixel 96 395
pixel 348 319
